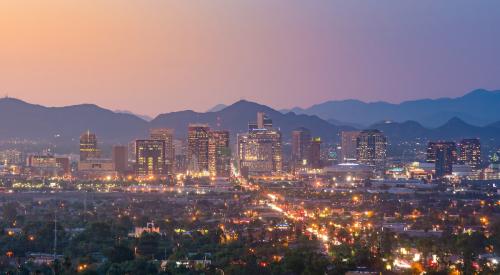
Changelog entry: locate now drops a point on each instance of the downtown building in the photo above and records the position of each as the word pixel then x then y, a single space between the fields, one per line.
pixel 443 154
pixel 301 147
pixel 470 152
pixel 219 154
pixel 88 146
pixel 371 148
pixel 259 150
pixel 167 135
pixel 348 140
pixel 197 148
pixel 91 165
pixel 150 159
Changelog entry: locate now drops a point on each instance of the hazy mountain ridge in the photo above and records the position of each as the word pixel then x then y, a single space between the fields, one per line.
pixel 479 107
pixel 65 124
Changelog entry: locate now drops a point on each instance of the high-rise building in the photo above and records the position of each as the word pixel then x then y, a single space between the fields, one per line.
pixel 259 150
pixel 119 156
pixel 219 154
pixel 150 158
pixel 371 148
pixel 445 153
pixel 301 144
pixel 197 150
pixel 167 135
pixel 348 145
pixel 433 146
pixel 88 146
pixel 470 152
pixel 315 153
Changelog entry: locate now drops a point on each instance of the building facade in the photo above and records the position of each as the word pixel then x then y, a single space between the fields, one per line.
pixel 197 149
pixel 348 140
pixel 150 158
pixel 219 154
pixel 470 152
pixel 167 135
pixel 371 148
pixel 88 146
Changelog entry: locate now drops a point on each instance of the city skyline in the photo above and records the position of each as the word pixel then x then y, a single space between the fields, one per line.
pixel 281 55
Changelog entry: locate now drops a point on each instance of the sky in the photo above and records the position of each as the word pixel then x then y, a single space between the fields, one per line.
pixel 153 57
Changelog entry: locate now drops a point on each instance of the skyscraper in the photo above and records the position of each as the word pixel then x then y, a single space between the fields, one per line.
pixel 219 154
pixel 259 150
pixel 433 146
pixel 371 148
pixel 301 143
pixel 315 153
pixel 88 146
pixel 197 151
pixel 119 156
pixel 445 156
pixel 167 135
pixel 470 152
pixel 150 158
pixel 348 145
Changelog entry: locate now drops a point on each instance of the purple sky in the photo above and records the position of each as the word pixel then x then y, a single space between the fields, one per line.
pixel 159 56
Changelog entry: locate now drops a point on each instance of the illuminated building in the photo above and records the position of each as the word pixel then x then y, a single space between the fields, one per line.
pixel 10 156
pixel 47 165
pixel 197 149
pixel 150 158
pixel 88 146
pixel 348 145
pixel 301 145
pixel 259 150
pixel 470 152
pixel 315 153
pixel 443 155
pixel 371 148
pixel 219 154
pixel 120 158
pixel 96 168
pixel 167 135
pixel 180 149
pixel 433 146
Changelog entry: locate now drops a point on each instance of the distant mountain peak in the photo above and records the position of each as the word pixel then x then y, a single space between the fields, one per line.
pixel 217 108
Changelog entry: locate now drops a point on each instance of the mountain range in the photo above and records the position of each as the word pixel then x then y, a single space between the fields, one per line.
pixel 63 125
pixel 479 107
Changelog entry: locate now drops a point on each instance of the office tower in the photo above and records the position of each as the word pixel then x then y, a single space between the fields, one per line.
pixel 197 151
pixel 315 153
pixel 433 146
pixel 64 164
pixel 150 158
pixel 219 154
pixel 180 150
pixel 348 145
pixel 47 165
pixel 88 146
pixel 301 143
pixel 11 156
pixel 470 152
pixel 371 148
pixel 259 151
pixel 119 156
pixel 167 135
pixel 444 153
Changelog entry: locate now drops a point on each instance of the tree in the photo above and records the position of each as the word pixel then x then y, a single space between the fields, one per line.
pixel 119 254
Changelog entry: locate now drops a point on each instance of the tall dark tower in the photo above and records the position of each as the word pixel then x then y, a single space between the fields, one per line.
pixel 301 145
pixel 88 146
pixel 197 151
